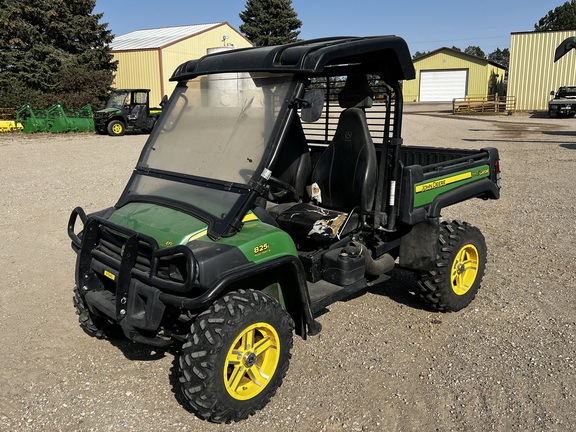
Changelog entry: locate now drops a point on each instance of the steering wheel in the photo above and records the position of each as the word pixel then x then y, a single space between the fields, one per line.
pixel 280 189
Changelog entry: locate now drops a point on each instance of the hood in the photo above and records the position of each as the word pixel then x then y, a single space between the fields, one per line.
pixel 167 226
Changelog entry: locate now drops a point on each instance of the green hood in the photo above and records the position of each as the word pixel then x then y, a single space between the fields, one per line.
pixel 258 241
pixel 168 226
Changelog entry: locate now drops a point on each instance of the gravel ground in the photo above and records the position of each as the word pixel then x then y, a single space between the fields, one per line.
pixel 382 361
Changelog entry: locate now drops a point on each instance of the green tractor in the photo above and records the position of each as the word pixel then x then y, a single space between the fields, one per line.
pixel 126 110
pixel 275 183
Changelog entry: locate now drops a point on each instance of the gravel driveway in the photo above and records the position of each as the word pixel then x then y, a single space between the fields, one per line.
pixel 382 361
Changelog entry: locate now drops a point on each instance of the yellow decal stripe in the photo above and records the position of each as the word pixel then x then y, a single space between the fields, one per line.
pixel 198 235
pixel 248 218
pixel 442 182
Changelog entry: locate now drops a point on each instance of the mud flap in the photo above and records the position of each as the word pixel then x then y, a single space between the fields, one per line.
pixel 419 248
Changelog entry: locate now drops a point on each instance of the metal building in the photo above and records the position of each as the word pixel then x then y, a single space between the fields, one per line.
pixel 147 58
pixel 533 73
pixel 446 74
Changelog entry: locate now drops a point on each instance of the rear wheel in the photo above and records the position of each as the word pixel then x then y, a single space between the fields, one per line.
pixel 236 356
pixel 453 284
pixel 116 128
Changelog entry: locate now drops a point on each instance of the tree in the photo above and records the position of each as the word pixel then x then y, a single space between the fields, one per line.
pixel 53 50
pixel 561 18
pixel 502 57
pixel 475 51
pixel 419 54
pixel 270 22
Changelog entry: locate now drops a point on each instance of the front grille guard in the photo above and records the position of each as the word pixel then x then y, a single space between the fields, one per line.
pixel 131 250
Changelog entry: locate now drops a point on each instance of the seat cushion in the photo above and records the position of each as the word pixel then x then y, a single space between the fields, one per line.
pixel 307 223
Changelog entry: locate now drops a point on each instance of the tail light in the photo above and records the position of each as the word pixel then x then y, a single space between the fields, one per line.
pixel 497 170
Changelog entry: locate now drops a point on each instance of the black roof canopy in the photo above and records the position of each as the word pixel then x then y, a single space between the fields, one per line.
pixel 375 53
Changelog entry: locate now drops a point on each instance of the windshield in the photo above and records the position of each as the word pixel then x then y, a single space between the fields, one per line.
pixel 211 139
pixel 218 127
pixel 567 92
pixel 116 100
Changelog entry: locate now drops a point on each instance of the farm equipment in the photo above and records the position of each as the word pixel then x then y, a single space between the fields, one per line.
pixel 240 225
pixel 55 119
pixel 126 110
pixel 10 126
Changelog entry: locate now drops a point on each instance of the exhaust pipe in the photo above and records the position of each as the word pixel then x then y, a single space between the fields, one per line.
pixel 377 267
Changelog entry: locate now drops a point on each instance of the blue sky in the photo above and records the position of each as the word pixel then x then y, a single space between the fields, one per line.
pixel 425 24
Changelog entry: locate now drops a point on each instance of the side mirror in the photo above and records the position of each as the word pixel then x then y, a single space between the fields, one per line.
pixel 312 105
pixel 552 93
pixel 164 101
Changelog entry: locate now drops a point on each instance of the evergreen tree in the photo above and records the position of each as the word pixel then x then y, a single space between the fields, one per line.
pixel 561 18
pixel 270 22
pixel 53 50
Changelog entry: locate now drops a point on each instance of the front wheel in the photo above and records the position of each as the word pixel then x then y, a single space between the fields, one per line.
pixel 116 128
pixel 93 325
pixel 453 284
pixel 236 355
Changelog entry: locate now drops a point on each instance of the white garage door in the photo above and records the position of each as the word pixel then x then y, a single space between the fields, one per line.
pixel 440 86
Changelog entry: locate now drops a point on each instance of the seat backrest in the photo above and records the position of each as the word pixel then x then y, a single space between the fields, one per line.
pixel 346 173
pixel 136 110
pixel 294 165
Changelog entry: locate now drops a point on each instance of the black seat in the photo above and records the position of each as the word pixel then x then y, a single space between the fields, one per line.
pixel 135 111
pixel 293 165
pixel 344 178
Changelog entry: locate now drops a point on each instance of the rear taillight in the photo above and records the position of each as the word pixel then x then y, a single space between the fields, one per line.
pixel 497 171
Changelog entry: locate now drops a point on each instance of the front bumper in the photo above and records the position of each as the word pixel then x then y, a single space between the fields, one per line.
pixel 122 274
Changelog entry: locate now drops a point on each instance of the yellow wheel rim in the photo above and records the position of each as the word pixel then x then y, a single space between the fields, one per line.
pixel 117 128
pixel 465 269
pixel 251 361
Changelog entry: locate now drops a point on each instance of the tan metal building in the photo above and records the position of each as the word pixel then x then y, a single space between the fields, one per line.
pixel 533 73
pixel 446 74
pixel 147 58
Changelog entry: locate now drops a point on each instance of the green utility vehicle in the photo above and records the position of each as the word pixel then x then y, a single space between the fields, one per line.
pixel 126 110
pixel 239 225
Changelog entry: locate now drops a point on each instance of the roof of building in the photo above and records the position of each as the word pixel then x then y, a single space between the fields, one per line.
pixel 460 53
pixel 158 37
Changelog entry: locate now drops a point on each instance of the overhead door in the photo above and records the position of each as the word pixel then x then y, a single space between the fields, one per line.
pixel 443 85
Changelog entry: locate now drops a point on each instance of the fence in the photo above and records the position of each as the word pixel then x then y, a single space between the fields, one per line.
pixel 491 104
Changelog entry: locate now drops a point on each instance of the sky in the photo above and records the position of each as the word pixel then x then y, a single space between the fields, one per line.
pixel 426 25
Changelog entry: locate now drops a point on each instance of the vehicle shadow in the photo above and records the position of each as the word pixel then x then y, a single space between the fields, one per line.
pixel 137 351
pixel 571 133
pixel 401 288
pixel 539 114
pixel 141 352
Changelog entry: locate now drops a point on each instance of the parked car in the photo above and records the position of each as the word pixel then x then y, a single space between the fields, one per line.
pixel 126 110
pixel 564 102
